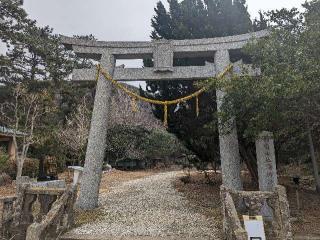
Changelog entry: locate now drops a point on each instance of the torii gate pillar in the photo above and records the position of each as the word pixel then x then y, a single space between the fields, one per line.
pixel 228 138
pixel 88 198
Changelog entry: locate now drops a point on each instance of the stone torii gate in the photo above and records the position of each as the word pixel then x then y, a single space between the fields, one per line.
pixel 162 52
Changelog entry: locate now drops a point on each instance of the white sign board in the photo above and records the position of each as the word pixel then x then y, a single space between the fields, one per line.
pixel 254 228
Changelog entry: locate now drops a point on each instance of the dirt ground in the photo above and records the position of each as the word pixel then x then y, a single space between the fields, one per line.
pixel 107 181
pixel 8 190
pixel 205 196
pixel 117 176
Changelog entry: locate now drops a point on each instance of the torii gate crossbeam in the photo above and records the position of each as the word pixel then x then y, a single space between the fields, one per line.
pixel 162 52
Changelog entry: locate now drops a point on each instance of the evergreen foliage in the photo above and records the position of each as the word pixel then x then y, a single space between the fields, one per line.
pixel 33 53
pixel 138 143
pixel 194 19
pixel 285 98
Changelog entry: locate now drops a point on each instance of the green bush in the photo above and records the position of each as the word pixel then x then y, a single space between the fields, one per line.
pixel 50 146
pixel 138 143
pixel 30 168
pixel 161 144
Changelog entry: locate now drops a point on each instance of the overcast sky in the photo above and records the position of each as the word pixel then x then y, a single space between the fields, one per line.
pixel 115 20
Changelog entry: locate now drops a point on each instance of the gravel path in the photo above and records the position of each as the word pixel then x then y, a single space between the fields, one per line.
pixel 150 207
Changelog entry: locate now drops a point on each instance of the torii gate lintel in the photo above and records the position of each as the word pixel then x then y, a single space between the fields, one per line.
pixel 163 52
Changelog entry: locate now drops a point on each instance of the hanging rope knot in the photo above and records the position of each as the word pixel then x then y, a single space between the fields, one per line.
pixel 197 106
pixel 134 105
pixel 165 114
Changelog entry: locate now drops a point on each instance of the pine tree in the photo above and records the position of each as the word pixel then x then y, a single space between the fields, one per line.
pixel 261 23
pixel 225 17
pixel 241 16
pixel 176 15
pixel 33 53
pixel 13 21
pixel 161 23
pixel 193 16
pixel 194 19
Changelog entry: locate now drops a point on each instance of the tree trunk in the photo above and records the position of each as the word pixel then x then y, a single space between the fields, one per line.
pixel 314 161
pixel 19 167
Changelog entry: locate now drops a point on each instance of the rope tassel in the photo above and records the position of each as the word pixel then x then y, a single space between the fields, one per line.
pixel 165 116
pixel 134 105
pixel 197 106
pixel 135 97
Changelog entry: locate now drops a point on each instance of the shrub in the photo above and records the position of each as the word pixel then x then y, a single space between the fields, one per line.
pixel 51 147
pixel 161 144
pixel 4 158
pixel 30 168
pixel 138 143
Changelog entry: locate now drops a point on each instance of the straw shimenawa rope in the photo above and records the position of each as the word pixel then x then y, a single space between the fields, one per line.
pixel 135 97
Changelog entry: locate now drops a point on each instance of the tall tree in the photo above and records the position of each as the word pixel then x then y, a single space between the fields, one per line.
pixel 161 23
pixel 194 19
pixel 13 20
pixel 285 99
pixel 33 53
